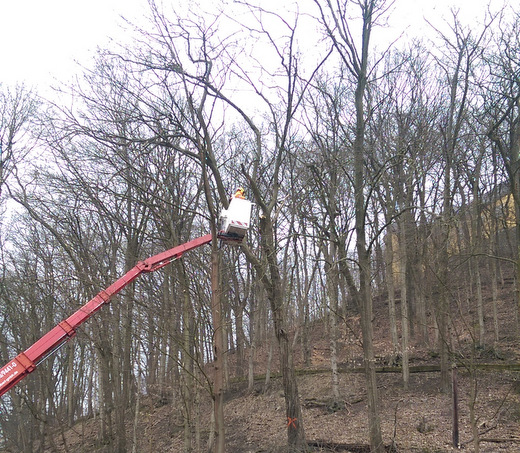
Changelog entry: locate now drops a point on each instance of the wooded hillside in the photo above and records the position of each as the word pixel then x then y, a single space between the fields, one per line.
pixel 386 187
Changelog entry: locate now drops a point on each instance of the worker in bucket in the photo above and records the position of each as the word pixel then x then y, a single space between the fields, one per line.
pixel 240 193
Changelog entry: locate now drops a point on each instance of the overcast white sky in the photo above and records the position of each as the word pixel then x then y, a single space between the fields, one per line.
pixel 41 39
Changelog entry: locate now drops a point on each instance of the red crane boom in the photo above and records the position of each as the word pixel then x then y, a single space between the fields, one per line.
pixel 27 361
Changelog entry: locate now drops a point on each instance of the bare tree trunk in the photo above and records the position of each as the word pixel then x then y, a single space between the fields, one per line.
pixel 187 368
pixel 376 440
pixel 355 57
pixel 270 272
pixel 116 379
pixel 480 303
pixel 476 241
pixel 137 410
pixel 390 284
pixel 269 364
pixel 443 306
pixel 70 385
pixel 105 401
pixel 455 402
pixel 218 350
pixel 334 359
pixel 365 293
pixel 494 292
pixel 254 329
pixel 332 296
pixel 473 418
pixel 405 321
pixel 251 368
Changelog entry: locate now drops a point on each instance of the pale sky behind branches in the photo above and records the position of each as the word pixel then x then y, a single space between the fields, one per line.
pixel 41 42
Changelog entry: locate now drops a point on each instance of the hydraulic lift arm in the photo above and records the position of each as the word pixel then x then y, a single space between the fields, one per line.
pixel 27 361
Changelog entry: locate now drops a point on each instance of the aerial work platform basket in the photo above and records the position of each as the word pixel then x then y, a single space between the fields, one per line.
pixel 235 220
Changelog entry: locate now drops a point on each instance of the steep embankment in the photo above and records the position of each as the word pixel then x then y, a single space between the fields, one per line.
pixel 417 419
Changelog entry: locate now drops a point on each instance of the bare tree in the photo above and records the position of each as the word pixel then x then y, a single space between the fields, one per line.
pixel 265 166
pixel 18 107
pixel 328 193
pixel 503 114
pixel 355 57
pixel 462 50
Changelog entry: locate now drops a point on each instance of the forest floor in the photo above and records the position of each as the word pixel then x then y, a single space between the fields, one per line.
pixel 417 420
pixel 414 420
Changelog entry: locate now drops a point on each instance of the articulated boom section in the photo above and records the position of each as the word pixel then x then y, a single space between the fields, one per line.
pixel 27 361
